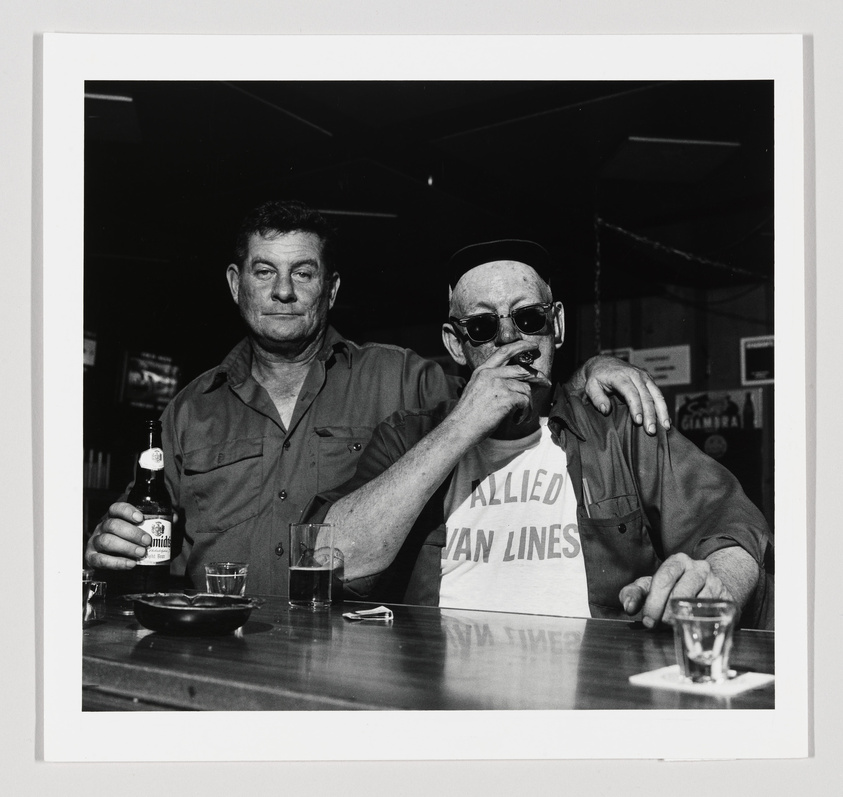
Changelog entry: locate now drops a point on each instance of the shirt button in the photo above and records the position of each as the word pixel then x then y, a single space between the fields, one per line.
pixel 622 528
pixel 283 495
pixel 279 549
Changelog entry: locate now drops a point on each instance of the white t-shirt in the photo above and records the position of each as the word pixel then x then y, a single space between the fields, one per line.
pixel 512 538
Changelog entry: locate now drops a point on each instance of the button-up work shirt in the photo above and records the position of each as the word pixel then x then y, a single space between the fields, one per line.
pixel 650 497
pixel 238 477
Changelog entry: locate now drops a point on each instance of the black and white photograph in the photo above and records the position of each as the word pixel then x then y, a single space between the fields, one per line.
pixel 424 393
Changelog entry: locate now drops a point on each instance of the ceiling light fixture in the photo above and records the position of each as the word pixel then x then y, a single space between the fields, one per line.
pixel 683 141
pixel 292 115
pixel 108 97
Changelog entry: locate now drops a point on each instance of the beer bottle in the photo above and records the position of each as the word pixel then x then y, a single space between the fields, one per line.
pixel 748 412
pixel 149 495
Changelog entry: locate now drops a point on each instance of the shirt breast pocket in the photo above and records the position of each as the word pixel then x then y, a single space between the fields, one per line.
pixel 616 551
pixel 339 449
pixel 224 482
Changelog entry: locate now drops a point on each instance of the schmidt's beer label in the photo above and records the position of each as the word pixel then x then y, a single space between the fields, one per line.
pixel 161 531
pixel 152 459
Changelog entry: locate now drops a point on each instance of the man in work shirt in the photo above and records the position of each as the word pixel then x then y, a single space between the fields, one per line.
pixel 517 497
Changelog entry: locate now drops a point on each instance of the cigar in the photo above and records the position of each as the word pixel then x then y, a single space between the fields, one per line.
pixel 525 357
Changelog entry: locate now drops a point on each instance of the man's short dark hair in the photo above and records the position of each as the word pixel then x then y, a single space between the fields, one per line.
pixel 277 217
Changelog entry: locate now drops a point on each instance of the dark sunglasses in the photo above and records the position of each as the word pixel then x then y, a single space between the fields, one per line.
pixel 483 327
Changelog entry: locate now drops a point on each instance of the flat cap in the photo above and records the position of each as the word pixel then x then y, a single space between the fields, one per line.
pixel 529 252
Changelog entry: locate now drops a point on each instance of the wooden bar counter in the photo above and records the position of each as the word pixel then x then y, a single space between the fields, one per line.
pixel 425 658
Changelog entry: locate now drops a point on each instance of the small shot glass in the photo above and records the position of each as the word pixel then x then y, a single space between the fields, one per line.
pixel 226 578
pixel 702 629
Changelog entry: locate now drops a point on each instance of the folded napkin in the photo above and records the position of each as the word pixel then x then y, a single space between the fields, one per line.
pixel 381 613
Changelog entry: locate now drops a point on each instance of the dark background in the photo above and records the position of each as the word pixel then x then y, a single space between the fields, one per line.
pixel 657 195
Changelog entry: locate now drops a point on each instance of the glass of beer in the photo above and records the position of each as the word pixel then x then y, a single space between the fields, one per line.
pixel 702 629
pixel 311 565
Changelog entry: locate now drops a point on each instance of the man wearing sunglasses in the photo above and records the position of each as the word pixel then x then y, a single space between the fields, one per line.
pixel 517 497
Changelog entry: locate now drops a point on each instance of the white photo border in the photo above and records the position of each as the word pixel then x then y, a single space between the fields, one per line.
pixel 72 735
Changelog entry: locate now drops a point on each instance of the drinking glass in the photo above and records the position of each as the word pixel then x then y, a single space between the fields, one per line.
pixel 311 565
pixel 93 593
pixel 702 629
pixel 226 578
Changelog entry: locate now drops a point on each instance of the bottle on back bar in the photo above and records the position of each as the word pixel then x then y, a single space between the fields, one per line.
pixel 149 494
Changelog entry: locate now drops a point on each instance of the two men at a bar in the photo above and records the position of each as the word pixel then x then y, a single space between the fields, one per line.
pixel 290 410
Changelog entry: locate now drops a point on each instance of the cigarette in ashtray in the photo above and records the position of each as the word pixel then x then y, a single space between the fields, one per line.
pixel 526 357
pixel 381 613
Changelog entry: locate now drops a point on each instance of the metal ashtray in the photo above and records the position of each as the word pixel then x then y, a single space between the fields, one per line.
pixel 195 615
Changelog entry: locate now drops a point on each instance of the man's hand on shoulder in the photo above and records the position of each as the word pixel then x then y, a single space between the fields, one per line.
pixel 603 375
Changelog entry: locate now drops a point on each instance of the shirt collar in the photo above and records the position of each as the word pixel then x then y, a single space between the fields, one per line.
pixel 237 366
pixel 335 344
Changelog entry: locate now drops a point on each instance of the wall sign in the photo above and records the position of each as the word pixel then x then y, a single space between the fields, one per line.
pixel 757 360
pixel 727 425
pixel 621 354
pixel 149 380
pixel 668 365
pixel 89 351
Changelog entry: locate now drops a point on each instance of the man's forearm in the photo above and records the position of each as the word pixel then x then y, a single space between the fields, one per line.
pixel 372 523
pixel 737 571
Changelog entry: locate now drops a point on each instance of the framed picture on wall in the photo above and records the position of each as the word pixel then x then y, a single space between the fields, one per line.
pixel 757 360
pixel 149 380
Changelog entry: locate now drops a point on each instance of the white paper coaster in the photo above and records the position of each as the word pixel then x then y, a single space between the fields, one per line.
pixel 669 678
